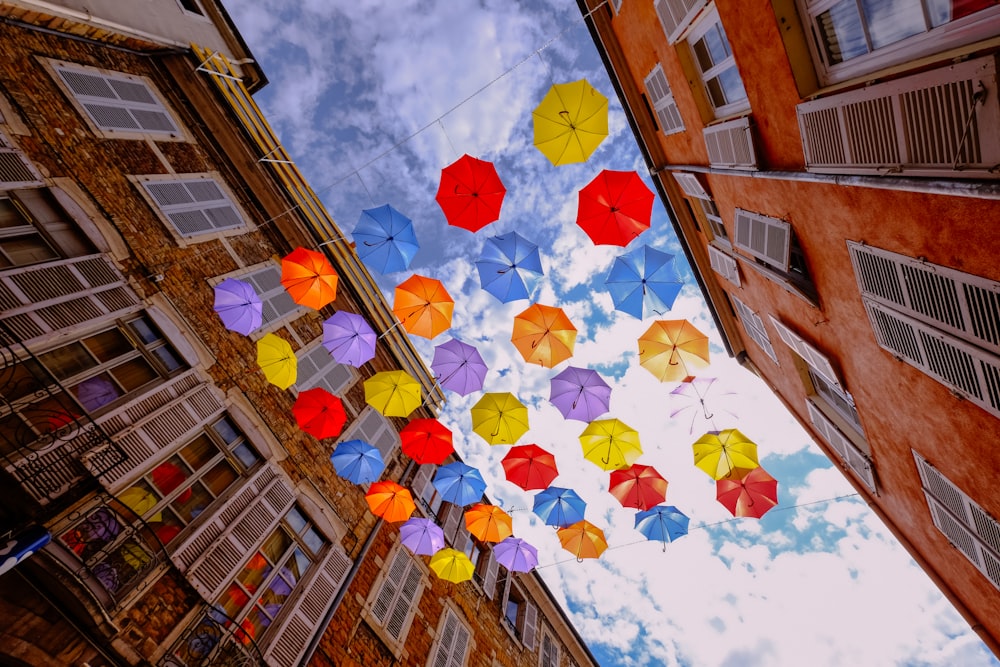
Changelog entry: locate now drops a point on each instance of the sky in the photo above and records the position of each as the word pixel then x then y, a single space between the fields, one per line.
pixel 372 99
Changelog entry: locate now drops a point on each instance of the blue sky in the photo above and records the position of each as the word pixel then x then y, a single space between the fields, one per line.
pixel 372 101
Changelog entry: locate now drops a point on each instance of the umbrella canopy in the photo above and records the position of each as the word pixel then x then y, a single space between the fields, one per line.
pixel 747 493
pixel 452 565
pixel 390 501
pixel 638 486
pixel 470 193
pixel 238 306
pixel 719 453
pixel 459 483
pixel 309 278
pixel 426 441
pixel 503 263
pixel 530 467
pixel 557 506
pixel 580 393
pixel 421 536
pixel 319 413
pixel 459 367
pixel 698 401
pixel 384 239
pixel 583 539
pixel 499 418
pixel 393 393
pixel 611 444
pixel 488 523
pixel 615 208
pixel 277 360
pixel 516 555
pixel 349 338
pixel 570 122
pixel 423 306
pixel 357 462
pixel 644 282
pixel 664 523
pixel 543 335
pixel 672 349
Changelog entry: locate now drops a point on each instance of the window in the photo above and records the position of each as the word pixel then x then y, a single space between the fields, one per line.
pixel 730 144
pixel 15 170
pixel 450 517
pixel 724 265
pixel 693 188
pixel 714 60
pixel 676 15
pixel 549 655
pixel 843 444
pixel 754 327
pixel 664 107
pixel 836 398
pixel 279 307
pixel 486 572
pixel 775 251
pixel 316 368
pixel 35 229
pixel 194 206
pixel 520 616
pixel 191 6
pixel 397 597
pixel 452 642
pixel 374 429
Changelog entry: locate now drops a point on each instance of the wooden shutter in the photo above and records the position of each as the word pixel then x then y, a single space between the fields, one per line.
pixel 550 652
pixel 118 102
pixel 766 238
pixel 278 305
pixel 676 15
pixel 15 170
pixel 490 577
pixel 754 327
pixel 816 359
pixel 420 483
pixel 374 429
pixel 195 206
pixel 461 645
pixel 397 622
pixel 452 519
pixel 452 643
pixel 530 626
pixel 928 124
pixel 691 186
pixel 664 106
pixel 317 368
pixel 730 144
pixel 724 265
pixel 855 459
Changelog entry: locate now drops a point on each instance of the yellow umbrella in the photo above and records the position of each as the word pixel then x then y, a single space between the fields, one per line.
pixel 543 335
pixel 393 393
pixel 277 360
pixel 718 453
pixel 452 565
pixel 611 444
pixel 672 349
pixel 488 523
pixel 140 501
pixel 499 418
pixel 571 122
pixel 583 539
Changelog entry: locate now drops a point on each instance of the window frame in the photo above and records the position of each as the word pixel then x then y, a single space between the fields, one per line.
pixel 552 660
pixel 663 105
pixel 32 205
pixel 227 203
pixel 274 298
pixel 707 22
pixel 322 376
pixel 461 639
pixel 386 438
pixel 409 573
pixel 754 326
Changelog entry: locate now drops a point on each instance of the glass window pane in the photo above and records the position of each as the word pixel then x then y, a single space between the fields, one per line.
pixel 108 345
pixel 226 430
pixel 275 595
pixel 715 92
pixel 702 55
pixel 134 373
pixel 219 478
pixel 24 378
pixel 10 215
pixel 313 540
pixel 168 525
pixel 199 451
pixel 254 624
pixel 296 566
pixel 68 360
pixel 169 475
pixel 170 359
pixel 191 502
pixel 890 21
pixel 255 572
pixel 732 85
pixel 716 43
pixel 841 32
pixel 96 392
pixel 246 455
pixel 31 248
pixel 145 330
pixel 276 545
pixel 233 600
pixel 88 537
pixel 296 520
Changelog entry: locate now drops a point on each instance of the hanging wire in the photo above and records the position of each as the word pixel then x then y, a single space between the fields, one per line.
pixel 454 152
pixel 363 185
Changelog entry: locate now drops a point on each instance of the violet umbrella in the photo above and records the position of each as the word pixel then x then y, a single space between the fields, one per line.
pixel 580 393
pixel 238 306
pixel 459 367
pixel 421 536
pixel 349 338
pixel 515 554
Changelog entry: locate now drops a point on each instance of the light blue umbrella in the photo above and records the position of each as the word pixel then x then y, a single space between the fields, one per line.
pixel 357 462
pixel 559 507
pixel 384 239
pixel 644 282
pixel 664 523
pixel 502 265
pixel 459 483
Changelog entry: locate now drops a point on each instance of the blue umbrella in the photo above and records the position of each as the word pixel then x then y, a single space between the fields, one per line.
pixel 384 239
pixel 664 523
pixel 502 265
pixel 559 507
pixel 357 462
pixel 459 483
pixel 643 282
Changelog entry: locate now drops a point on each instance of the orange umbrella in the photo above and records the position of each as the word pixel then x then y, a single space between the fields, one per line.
pixel 488 523
pixel 638 486
pixel 583 539
pixel 390 501
pixel 543 335
pixel 309 278
pixel 672 349
pixel 423 306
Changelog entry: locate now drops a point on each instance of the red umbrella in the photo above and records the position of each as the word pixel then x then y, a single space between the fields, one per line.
pixel 615 208
pixel 638 486
pixel 319 413
pixel 530 467
pixel 426 441
pixel 748 492
pixel 470 193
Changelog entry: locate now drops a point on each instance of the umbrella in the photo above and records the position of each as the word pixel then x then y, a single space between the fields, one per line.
pixel 615 208
pixel 611 444
pixel 530 467
pixel 349 338
pixel 488 523
pixel 390 501
pixel 384 239
pixel 357 462
pixel 516 555
pixel 583 539
pixel 694 395
pixel 671 349
pixel 423 306
pixel 426 441
pixel 664 523
pixel 570 122
pixel 452 565
pixel 718 453
pixel 421 536
pixel 458 367
pixel 277 361
pixel 748 493
pixel 95 392
pixel 459 483
pixel 579 393
pixel 638 486
pixel 470 193
pixel 543 335
pixel 309 278
pixel 393 393
pixel 557 506
pixel 502 265
pixel 319 413
pixel 644 282
pixel 499 418
pixel 238 306
pixel 138 500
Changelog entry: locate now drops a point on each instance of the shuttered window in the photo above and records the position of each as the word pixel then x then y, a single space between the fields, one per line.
pixel 317 368
pixel 754 327
pixel 766 238
pixel 374 429
pixel 809 354
pixel 676 15
pixel 730 145
pixel 548 656
pixel 34 229
pixel 724 265
pixel 279 306
pixel 195 206
pixel 713 57
pixel 15 170
pixel 664 106
pixel 855 460
pixel 452 642
pixel 398 595
pixel 692 187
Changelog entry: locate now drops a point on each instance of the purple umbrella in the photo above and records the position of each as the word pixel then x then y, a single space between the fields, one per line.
pixel 96 392
pixel 238 306
pixel 421 536
pixel 580 393
pixel 515 554
pixel 349 338
pixel 459 367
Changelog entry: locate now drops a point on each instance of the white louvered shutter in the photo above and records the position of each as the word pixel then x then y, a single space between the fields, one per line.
pixel 662 99
pixel 691 186
pixel 676 15
pixel 391 586
pixel 278 304
pixel 490 577
pixel 399 614
pixel 452 519
pixel 724 265
pixel 816 359
pixel 766 238
pixel 374 429
pixel 754 327
pixel 421 484
pixel 118 102
pixel 730 144
pixel 15 170
pixel 530 626
pixel 195 206
pixel 317 368
pixel 855 459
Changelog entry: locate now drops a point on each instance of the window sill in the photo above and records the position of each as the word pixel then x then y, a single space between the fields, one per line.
pixel 775 276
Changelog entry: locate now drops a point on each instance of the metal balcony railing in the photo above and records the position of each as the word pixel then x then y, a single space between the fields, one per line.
pixel 213 640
